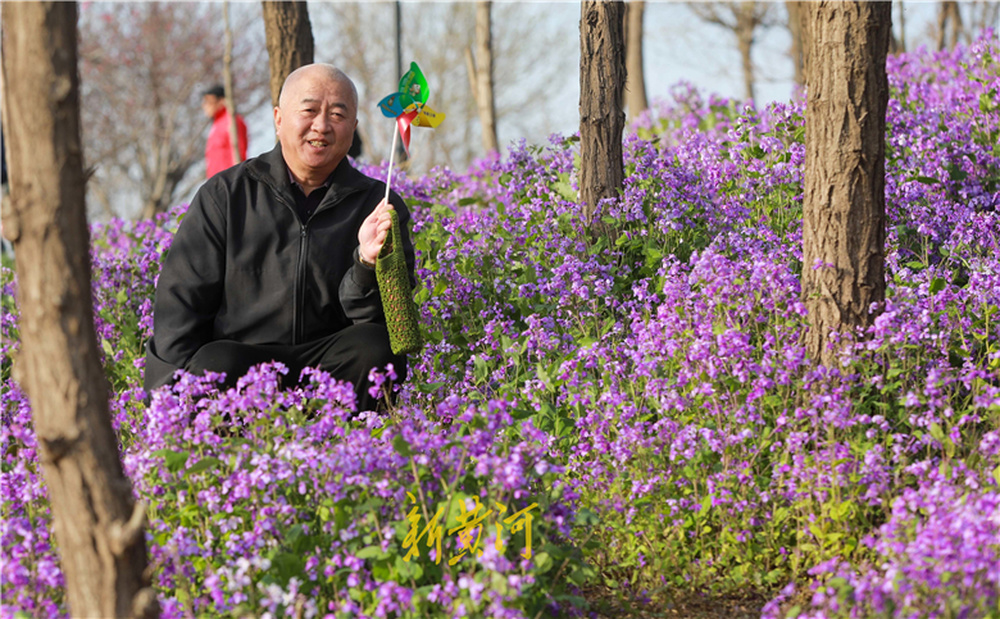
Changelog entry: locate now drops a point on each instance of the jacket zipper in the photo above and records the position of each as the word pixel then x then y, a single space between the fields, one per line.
pixel 298 286
pixel 298 292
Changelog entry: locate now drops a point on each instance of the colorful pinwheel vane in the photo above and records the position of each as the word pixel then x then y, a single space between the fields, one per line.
pixel 409 105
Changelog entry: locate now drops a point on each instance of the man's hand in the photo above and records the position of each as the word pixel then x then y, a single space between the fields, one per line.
pixel 373 231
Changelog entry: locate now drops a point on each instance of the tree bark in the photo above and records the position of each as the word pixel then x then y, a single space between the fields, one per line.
pixel 602 81
pixel 227 78
pixel 635 76
pixel 98 527
pixel 843 240
pixel 484 77
pixel 289 40
pixel 746 24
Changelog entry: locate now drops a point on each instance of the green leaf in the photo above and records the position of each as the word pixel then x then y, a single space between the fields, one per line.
pixel 430 387
pixel 578 577
pixel 956 173
pixel 563 426
pixel 287 565
pixel 481 368
pixel 927 180
pixel 521 412
pixel 945 468
pixel 543 375
pixel 543 562
pixel 565 191
pixel 936 432
pixel 402 446
pixel 371 552
pixel 937 285
pixel 203 465
pixel 986 104
pixel 845 510
pixel 408 569
pixel 381 571
pixel 341 517
pixel 174 460
pixel 587 517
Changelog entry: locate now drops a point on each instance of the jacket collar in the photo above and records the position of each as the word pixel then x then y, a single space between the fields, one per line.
pixel 270 168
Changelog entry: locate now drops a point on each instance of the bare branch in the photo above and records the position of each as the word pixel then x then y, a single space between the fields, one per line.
pixel 142 66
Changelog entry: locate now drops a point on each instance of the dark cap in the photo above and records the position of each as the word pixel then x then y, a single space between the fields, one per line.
pixel 216 91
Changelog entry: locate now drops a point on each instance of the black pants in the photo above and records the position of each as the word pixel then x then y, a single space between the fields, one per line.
pixel 347 355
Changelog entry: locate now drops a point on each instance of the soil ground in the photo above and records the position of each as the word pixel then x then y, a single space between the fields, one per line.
pixel 607 604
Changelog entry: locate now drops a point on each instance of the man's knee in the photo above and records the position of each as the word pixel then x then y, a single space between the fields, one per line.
pixel 363 347
pixel 233 358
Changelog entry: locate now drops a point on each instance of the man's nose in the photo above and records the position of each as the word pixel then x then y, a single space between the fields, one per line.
pixel 321 123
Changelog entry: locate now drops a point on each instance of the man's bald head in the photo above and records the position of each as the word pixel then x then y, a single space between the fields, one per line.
pixel 318 70
pixel 315 120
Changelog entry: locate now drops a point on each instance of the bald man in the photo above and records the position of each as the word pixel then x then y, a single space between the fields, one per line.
pixel 274 260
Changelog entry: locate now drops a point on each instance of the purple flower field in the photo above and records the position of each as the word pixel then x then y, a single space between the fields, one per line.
pixel 638 403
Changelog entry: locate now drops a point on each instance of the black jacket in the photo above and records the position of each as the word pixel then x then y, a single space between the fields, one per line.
pixel 244 267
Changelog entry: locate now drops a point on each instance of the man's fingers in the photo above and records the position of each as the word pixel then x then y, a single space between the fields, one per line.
pixel 377 212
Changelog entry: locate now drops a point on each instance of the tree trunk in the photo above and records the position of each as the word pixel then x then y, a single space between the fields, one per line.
pixel 746 23
pixel 98 527
pixel 948 13
pixel 795 12
pixel 289 40
pixel 635 77
pixel 227 78
pixel 902 27
pixel 843 235
pixel 484 77
pixel 602 81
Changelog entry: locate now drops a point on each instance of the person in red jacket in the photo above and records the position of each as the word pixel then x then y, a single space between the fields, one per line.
pixel 218 152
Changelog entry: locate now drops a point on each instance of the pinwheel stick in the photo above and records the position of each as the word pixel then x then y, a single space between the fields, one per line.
pixel 392 153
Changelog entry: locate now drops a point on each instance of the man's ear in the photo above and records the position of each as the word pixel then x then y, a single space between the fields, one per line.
pixel 277 119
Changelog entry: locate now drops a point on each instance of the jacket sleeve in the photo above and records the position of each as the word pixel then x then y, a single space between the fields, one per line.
pixel 189 290
pixel 359 289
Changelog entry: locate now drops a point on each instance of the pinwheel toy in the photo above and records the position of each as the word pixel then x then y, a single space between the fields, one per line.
pixel 409 107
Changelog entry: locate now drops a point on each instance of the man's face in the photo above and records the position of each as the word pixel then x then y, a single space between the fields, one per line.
pixel 210 105
pixel 315 121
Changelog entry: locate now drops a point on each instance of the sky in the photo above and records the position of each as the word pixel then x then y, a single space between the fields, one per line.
pixel 678 47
